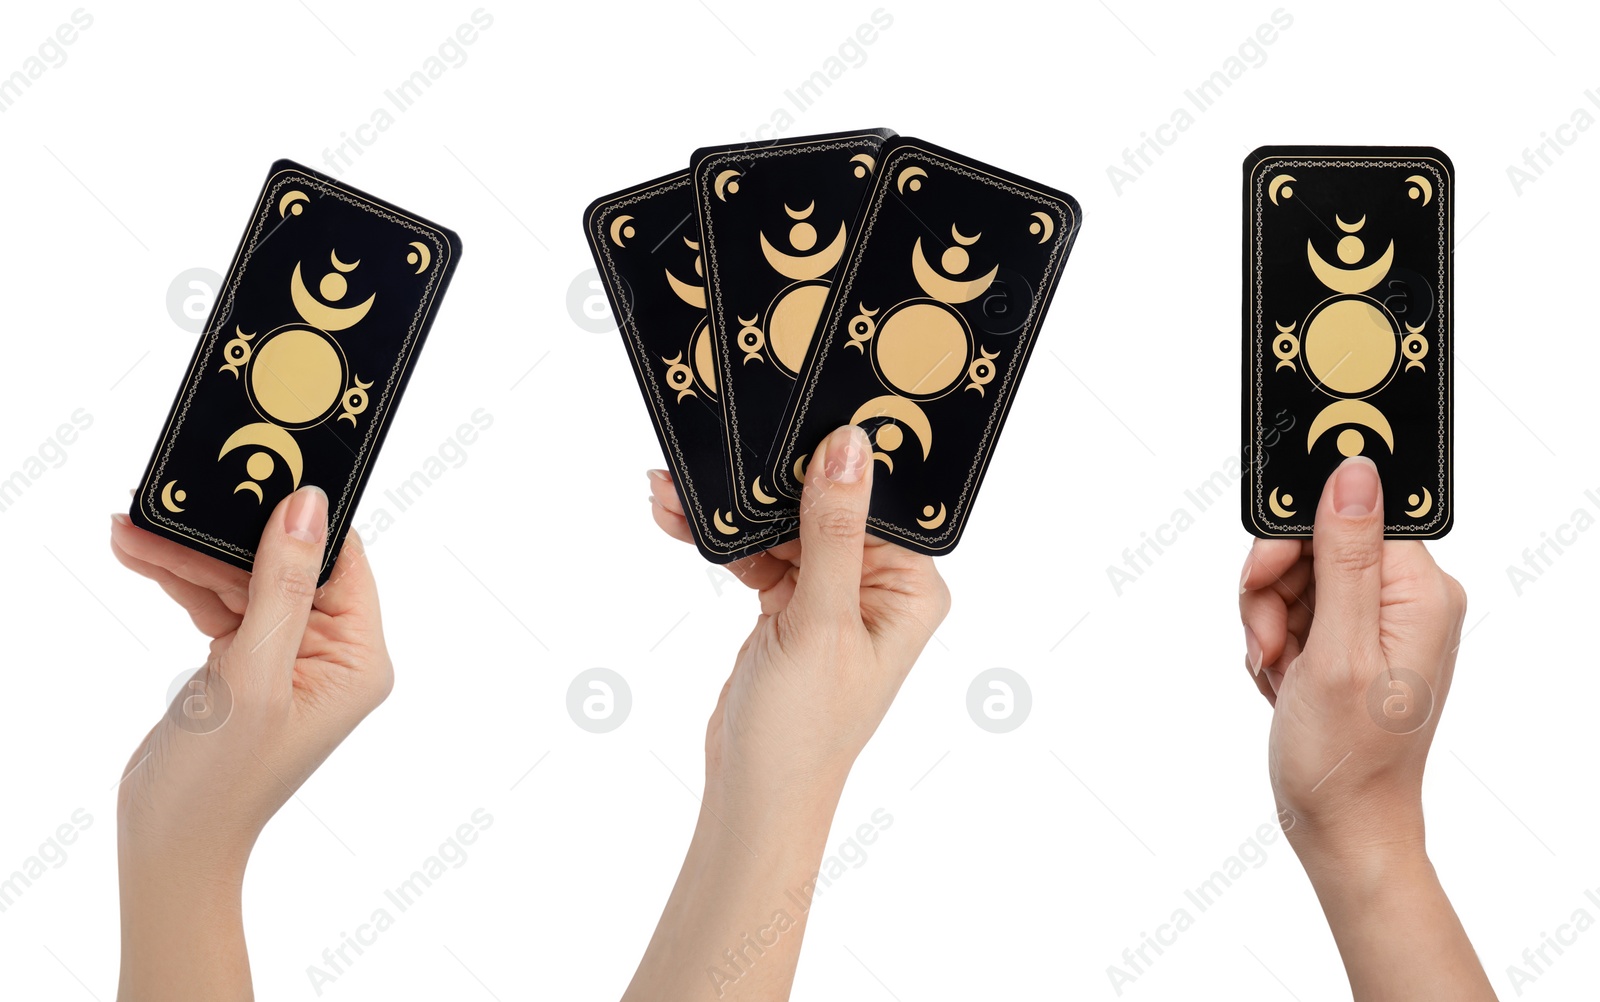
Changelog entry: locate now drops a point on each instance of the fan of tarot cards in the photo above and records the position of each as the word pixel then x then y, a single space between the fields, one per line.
pixel 771 293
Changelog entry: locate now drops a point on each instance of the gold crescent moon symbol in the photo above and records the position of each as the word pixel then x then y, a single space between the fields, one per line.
pixel 1277 508
pixel 252 487
pixel 268 436
pixel 724 186
pixel 618 233
pixel 803 268
pixel 1282 329
pixel 329 318
pixel 290 202
pixel 799 468
pixel 1045 227
pixel 694 295
pixel 1349 280
pixel 333 256
pixel 947 290
pixel 799 213
pixel 1276 184
pixel 902 410
pixel 955 235
pixel 1350 412
pixel 167 500
pixel 1424 188
pixel 934 521
pixel 1349 227
pixel 421 258
pixel 909 176
pixel 722 524
pixel 1422 508
pixel 867 164
pixel 761 495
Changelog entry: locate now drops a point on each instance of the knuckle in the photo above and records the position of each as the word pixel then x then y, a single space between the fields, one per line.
pixel 296 583
pixel 1455 596
pixel 830 522
pixel 1355 559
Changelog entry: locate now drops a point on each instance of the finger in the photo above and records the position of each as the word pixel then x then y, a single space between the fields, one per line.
pixel 1268 561
pixel 1262 685
pixel 671 523
pixel 284 583
pixel 833 522
pixel 1348 560
pixel 351 587
pixel 665 493
pixel 209 614
pixel 1266 627
pixel 231 584
pixel 761 571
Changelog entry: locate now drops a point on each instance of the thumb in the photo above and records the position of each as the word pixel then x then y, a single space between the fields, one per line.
pixel 1347 559
pixel 284 581
pixel 833 522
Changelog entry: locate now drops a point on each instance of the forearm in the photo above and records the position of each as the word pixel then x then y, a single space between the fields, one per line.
pixel 733 925
pixel 182 934
pixel 1396 929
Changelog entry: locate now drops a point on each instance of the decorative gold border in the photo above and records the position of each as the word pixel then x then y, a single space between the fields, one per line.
pixel 660 411
pixel 1444 323
pixel 339 512
pixel 825 337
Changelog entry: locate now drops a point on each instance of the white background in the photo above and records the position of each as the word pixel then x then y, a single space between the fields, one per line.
pixel 1017 865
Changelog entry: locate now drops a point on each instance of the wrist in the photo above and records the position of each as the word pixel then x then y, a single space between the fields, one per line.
pixel 1362 864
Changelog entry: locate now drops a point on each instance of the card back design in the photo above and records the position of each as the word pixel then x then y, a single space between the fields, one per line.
pixel 308 348
pixel 646 245
pixel 927 333
pixel 775 221
pixel 1347 332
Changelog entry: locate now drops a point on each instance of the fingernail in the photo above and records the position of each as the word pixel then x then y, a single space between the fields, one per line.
pixel 307 517
pixel 660 475
pixel 1252 651
pixel 120 519
pixel 1243 575
pixel 846 455
pixel 1355 487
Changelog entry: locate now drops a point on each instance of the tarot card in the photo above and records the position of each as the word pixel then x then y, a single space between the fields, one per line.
pixel 302 362
pixel 774 222
pixel 646 244
pixel 1347 331
pixel 926 334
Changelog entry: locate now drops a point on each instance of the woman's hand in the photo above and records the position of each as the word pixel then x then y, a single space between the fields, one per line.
pixel 291 670
pixel 843 618
pixel 1353 641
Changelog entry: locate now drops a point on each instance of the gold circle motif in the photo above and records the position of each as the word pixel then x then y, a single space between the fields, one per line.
pixel 296 376
pixel 1350 442
pixel 922 349
pixel 794 320
pixel 1350 346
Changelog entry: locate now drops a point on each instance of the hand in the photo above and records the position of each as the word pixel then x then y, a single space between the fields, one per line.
pixel 292 669
pixel 843 618
pixel 1353 641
